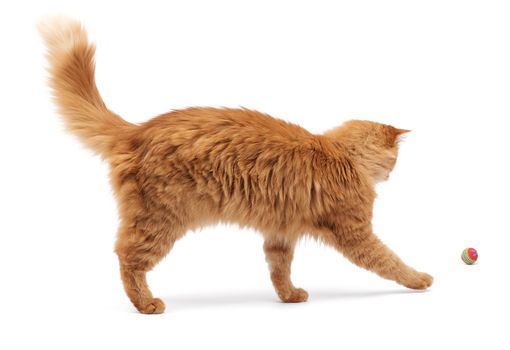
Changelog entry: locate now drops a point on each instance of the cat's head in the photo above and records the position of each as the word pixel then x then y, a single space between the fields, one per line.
pixel 374 145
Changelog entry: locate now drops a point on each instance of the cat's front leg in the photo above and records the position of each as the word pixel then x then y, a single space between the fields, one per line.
pixel 366 250
pixel 279 256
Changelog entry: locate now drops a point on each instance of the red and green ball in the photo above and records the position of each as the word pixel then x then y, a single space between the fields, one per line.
pixel 469 256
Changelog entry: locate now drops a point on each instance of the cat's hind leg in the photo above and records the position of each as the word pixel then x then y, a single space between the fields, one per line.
pixel 279 256
pixel 139 250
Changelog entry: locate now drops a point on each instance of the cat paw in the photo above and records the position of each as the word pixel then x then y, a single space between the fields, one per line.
pixel 155 306
pixel 296 295
pixel 420 280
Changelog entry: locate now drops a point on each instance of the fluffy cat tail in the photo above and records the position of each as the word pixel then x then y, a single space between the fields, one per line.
pixel 71 69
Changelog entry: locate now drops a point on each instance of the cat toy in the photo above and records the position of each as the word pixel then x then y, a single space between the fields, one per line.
pixel 469 256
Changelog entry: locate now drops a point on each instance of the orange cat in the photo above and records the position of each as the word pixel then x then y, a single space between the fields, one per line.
pixel 199 166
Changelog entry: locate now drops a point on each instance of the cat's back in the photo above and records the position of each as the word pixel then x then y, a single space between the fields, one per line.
pixel 227 134
pixel 187 126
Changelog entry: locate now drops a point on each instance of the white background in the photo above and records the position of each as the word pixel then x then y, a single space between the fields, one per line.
pixel 440 68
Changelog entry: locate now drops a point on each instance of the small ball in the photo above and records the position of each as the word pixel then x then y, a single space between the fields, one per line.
pixel 469 256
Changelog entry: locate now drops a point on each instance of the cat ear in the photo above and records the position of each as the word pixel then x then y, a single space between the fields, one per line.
pixel 402 131
pixel 399 133
pixel 394 135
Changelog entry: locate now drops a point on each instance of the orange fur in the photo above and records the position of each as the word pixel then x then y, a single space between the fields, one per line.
pixel 199 166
